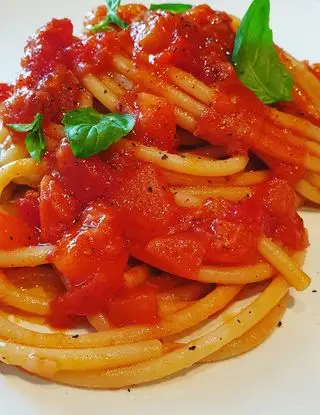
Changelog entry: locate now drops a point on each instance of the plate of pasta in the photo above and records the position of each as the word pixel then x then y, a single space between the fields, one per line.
pixel 160 207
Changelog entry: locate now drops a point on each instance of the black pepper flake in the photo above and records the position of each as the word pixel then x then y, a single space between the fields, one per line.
pixel 192 347
pixel 3 358
pixel 238 321
pixel 280 324
pixel 105 91
pixel 150 189
pixel 164 157
pixel 75 336
pixel 314 291
pixel 11 238
pixel 129 390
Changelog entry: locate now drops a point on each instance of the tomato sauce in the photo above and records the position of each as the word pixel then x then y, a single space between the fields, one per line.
pixel 100 210
pixel 6 91
pixel 46 84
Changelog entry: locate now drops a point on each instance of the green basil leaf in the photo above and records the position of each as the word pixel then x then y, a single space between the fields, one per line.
pixel 35 143
pixel 255 57
pixel 111 18
pixel 172 7
pixel 90 132
pixel 24 128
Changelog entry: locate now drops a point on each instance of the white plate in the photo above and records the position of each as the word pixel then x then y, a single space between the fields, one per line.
pixel 281 376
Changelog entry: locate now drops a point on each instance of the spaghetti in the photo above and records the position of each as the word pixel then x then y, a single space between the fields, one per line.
pixel 160 188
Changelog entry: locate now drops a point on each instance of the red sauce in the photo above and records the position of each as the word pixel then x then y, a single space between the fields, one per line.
pixel 155 120
pixel 316 69
pixel 101 209
pixel 28 208
pixel 45 85
pixel 16 232
pixel 6 91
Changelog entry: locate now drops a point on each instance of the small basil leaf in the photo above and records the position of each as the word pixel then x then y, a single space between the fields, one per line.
pixel 90 132
pixel 35 144
pixel 24 128
pixel 111 18
pixel 172 7
pixel 255 57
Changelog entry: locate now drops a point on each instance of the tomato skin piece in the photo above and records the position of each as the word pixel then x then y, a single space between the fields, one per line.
pixel 58 210
pixel 179 254
pixel 28 208
pixel 134 306
pixel 15 232
pixel 145 204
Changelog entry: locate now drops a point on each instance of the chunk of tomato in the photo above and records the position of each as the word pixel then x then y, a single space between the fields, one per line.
pixel 231 243
pixel 180 254
pixel 28 207
pixel 155 122
pixel 86 179
pixel 146 205
pixel 15 232
pixel 58 210
pixel 279 198
pixel 92 258
pixel 88 298
pixel 134 306
pixel 93 245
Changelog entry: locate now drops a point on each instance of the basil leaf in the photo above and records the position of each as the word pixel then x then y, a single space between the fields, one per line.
pixel 24 128
pixel 111 18
pixel 255 57
pixel 90 132
pixel 172 7
pixel 35 143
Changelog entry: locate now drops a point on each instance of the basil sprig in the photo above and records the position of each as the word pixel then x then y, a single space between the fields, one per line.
pixel 255 57
pixel 35 143
pixel 90 132
pixel 171 7
pixel 111 18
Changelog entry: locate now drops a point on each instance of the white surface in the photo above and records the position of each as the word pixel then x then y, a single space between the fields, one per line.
pixel 280 377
